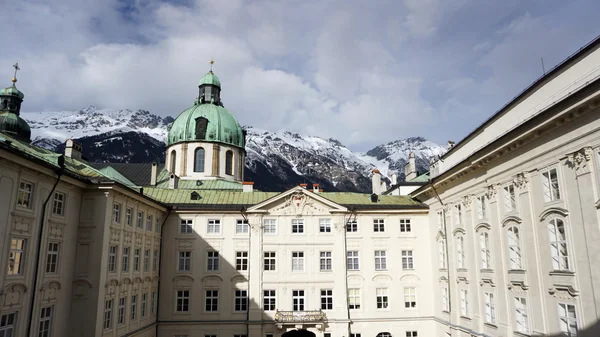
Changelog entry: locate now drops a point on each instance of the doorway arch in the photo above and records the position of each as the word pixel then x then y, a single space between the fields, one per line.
pixel 299 333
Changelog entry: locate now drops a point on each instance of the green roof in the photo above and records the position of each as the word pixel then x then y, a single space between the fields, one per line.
pixel 210 78
pixel 222 126
pixel 14 125
pixel 12 91
pixel 350 199
pixel 423 178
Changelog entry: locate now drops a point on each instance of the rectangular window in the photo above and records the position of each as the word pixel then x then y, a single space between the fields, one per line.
pixel 355 335
pixel 116 215
pixel 241 260
pixel 157 225
pixel 149 221
pixel 241 300
pixel 514 248
pixel 269 300
pixel 155 260
pixel 186 226
pixel 298 300
pixel 136 259
pixel 405 226
pixel 460 252
pixel 270 226
pixel 144 302
pixel 52 258
pixel 326 299
pixel 183 301
pixel 352 226
pixel 380 260
pixel 325 261
pixel 297 261
pixel 440 219
pixel 412 334
pixel 269 261
pixel 442 253
pixel 212 300
pixel 146 260
pixel 325 225
pixel 297 226
pixel 133 307
pixel 481 207
pixel 25 194
pixel 44 326
pixel 378 225
pixel 485 252
pixel 354 298
pixel 112 259
pixel 214 226
pixel 407 259
pixel 410 297
pixel 510 200
pixel 352 260
pixel 241 226
pixel 464 303
pixel 121 311
pixel 521 315
pixel 445 298
pixel 490 308
pixel 108 305
pixel 7 324
pixel 140 220
pixel 212 261
pixel 458 214
pixel 58 204
pixel 185 261
pixel 382 298
pixel 567 319
pixel 125 259
pixel 550 185
pixel 128 216
pixel 558 244
pixel 152 302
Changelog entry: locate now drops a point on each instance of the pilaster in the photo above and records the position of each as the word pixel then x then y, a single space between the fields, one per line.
pixel 215 160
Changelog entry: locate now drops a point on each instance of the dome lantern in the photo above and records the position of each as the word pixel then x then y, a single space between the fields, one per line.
pixel 10 108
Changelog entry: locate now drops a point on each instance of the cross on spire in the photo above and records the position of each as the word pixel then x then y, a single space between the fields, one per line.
pixel 16 66
pixel 211 63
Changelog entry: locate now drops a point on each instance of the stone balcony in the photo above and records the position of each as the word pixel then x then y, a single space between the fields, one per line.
pixel 300 319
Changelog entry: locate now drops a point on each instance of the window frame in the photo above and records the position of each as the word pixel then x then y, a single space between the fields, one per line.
pixel 551 192
pixel 464 303
pixel 298 299
pixel 242 260
pixel 513 243
pixel 405 225
pixel 298 261
pixel 26 203
pixel 53 258
pixel 565 322
pixel 113 255
pixel 521 309
pixel 213 226
pixel 325 261
pixel 353 262
pixel 45 322
pixel 211 300
pixel 408 260
pixel 116 212
pixel 560 258
pixel 352 226
pixel 61 209
pixel 297 226
pixel 489 304
pixel 270 226
pixel 182 300
pixel 242 226
pixel 269 299
pixel 382 298
pixel 354 300
pixel 186 226
pixel 213 262
pixel 184 261
pixel 378 225
pixel 240 300
pixel 410 297
pixel 325 225
pixel 270 260
pixel 108 311
pixel 326 299
pixel 380 260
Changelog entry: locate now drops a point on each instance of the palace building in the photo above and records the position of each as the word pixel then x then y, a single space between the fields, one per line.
pixel 500 238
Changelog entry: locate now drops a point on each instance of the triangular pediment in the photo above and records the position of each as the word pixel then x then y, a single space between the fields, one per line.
pixel 297 201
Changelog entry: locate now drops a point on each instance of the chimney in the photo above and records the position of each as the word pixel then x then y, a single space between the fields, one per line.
pixel 374 197
pixel 303 186
pixel 316 188
pixel 376 181
pixel 173 181
pixel 153 174
pixel 450 144
pixel 410 169
pixel 394 178
pixel 247 186
pixel 73 149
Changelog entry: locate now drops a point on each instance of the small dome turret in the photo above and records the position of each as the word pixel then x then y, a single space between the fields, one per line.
pixel 10 108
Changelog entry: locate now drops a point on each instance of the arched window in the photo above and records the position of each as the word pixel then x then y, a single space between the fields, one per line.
pixel 384 334
pixel 201 125
pixel 460 252
pixel 514 247
pixel 558 244
pixel 486 254
pixel 229 162
pixel 173 161
pixel 199 160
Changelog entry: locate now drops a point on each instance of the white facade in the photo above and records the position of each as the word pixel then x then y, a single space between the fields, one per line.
pixel 214 165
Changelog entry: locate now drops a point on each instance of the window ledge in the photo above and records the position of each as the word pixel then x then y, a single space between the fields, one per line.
pixel 519 333
pixel 465 317
pixel 487 270
pixel 562 273
pixel 461 270
pixel 490 325
pixel 516 271
pixel 443 269
pixel 326 271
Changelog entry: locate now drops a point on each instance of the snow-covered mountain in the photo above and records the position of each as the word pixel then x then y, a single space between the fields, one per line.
pixel 275 161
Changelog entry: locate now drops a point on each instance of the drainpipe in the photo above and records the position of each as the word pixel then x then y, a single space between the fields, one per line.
pixel 345 230
pixel 245 217
pixel 59 173
pixel 169 208
pixel 447 252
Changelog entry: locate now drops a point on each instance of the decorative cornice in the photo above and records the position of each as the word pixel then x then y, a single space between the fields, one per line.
pixel 556 289
pixel 511 218
pixel 521 284
pixel 487 281
pixel 552 212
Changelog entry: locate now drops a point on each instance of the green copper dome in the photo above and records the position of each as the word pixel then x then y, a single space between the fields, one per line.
pixel 206 122
pixel 210 78
pixel 12 91
pixel 15 126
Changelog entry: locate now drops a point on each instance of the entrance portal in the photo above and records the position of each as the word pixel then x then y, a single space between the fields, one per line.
pixel 298 333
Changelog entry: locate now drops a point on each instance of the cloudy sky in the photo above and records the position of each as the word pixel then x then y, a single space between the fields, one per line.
pixel 363 72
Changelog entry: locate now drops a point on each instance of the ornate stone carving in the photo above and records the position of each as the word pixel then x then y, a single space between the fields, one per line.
pixel 111 287
pixel 299 203
pixel 184 244
pixel 49 291
pixel 115 235
pixel 462 279
pixel 299 316
pixel 183 281
pixel 85 235
pixel 148 240
pixel 22 224
pixel 518 287
pixel 256 227
pixel 580 160
pixel 487 281
pixel 56 230
pixel 521 182
pixel 138 239
pixel 127 238
pixel 492 191
pixel 563 291
pixel 467 199
pixel 13 294
pixel 382 279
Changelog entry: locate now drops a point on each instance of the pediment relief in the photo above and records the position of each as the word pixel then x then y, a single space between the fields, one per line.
pixel 212 281
pixel 411 278
pixel 183 281
pixel 297 201
pixel 518 287
pixel 111 282
pixel 125 281
pixel 239 282
pixel 382 279
pixel 49 291
pixel 487 282
pixel 553 213
pixel 137 279
pixel 482 226
pixel 459 231
pixel 13 293
pixel 563 291
pixel 511 219
pixel 15 287
pixel 462 279
pixel 355 279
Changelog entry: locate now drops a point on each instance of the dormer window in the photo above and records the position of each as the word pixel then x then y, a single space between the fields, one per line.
pixel 201 125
